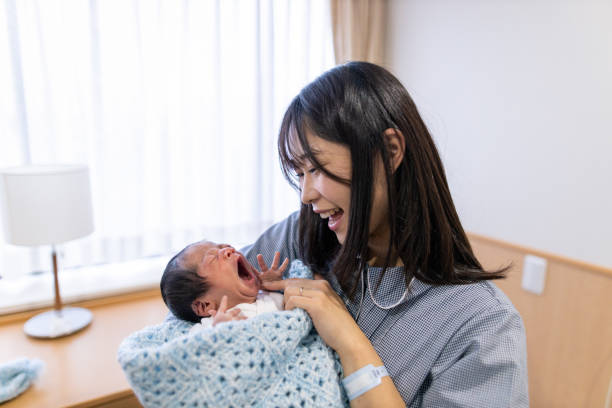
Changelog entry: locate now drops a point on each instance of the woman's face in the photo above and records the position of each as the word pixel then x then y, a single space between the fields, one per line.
pixel 332 199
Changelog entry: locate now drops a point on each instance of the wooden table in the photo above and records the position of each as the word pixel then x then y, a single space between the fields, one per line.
pixel 81 370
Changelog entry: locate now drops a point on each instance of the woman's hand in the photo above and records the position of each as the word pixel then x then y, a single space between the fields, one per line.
pixel 273 273
pixel 337 328
pixel 223 315
pixel 329 315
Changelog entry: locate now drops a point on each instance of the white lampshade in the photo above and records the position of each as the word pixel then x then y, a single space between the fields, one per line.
pixel 48 205
pixel 44 205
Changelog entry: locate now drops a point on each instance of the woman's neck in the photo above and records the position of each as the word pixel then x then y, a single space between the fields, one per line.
pixel 378 253
pixel 379 242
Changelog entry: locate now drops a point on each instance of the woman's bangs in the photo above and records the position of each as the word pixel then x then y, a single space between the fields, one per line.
pixel 293 150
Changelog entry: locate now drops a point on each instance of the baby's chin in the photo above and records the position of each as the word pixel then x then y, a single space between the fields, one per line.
pixel 254 288
pixel 249 290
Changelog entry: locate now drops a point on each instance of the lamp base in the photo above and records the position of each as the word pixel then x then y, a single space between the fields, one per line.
pixel 57 323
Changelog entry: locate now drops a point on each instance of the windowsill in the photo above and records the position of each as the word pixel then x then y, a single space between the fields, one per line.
pixel 79 284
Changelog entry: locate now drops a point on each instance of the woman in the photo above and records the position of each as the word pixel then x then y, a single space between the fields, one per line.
pixel 402 288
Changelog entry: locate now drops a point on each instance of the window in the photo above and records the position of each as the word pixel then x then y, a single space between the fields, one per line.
pixel 175 107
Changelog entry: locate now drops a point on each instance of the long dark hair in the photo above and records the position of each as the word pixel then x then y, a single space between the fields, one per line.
pixel 353 104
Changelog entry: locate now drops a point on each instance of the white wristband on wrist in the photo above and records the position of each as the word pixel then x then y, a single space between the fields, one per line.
pixel 363 380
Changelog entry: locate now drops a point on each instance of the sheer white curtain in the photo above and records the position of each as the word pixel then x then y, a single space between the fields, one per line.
pixel 174 105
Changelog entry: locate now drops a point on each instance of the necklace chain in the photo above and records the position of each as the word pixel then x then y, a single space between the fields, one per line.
pixel 403 298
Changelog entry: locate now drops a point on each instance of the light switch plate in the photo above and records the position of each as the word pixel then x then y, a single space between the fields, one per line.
pixel 534 274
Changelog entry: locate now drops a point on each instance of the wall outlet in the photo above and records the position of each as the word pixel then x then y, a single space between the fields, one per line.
pixel 534 274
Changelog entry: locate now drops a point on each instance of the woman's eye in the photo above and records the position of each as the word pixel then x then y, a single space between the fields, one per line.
pixel 311 171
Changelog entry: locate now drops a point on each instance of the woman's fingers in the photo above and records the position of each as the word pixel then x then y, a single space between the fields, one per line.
pixel 299 291
pixel 299 301
pixel 321 285
pixel 285 283
pixel 275 285
pixel 320 292
pixel 329 314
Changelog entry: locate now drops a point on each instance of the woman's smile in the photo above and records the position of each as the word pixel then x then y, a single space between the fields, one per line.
pixel 329 198
pixel 334 217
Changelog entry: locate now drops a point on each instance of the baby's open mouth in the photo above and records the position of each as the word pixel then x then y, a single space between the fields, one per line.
pixel 244 272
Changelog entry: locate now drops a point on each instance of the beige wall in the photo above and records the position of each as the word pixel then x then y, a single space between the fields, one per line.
pixel 518 96
pixel 569 326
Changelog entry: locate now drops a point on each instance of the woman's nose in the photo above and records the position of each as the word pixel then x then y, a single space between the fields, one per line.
pixel 308 193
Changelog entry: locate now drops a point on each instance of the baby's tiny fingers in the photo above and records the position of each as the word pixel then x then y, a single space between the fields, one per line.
pixel 275 260
pixel 284 265
pixel 262 263
pixel 223 304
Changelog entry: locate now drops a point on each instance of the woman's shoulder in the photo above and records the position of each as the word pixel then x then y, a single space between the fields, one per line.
pixel 446 310
pixel 442 334
pixel 467 316
pixel 467 301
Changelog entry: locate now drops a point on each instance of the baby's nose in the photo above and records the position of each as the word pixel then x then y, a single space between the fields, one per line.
pixel 227 252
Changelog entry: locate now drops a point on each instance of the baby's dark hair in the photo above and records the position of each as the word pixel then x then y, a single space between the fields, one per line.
pixel 180 285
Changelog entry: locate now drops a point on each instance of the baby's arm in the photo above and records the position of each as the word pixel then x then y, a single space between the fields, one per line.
pixel 223 315
pixel 275 272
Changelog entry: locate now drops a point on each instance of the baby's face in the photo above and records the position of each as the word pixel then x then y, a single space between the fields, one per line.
pixel 227 272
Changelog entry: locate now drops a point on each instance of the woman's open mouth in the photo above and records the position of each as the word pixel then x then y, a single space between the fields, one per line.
pixel 333 217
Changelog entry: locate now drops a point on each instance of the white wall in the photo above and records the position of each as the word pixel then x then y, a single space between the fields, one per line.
pixel 518 95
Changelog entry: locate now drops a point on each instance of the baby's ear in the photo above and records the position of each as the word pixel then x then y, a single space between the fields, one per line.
pixel 201 308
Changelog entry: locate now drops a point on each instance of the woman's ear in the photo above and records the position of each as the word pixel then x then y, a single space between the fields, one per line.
pixel 396 145
pixel 202 307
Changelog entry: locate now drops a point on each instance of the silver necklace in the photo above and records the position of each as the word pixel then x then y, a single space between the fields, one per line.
pixel 402 299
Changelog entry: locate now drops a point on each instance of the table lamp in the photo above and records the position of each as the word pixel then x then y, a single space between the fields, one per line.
pixel 48 205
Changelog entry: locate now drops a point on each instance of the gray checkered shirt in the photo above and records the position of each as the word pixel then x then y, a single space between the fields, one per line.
pixel 443 346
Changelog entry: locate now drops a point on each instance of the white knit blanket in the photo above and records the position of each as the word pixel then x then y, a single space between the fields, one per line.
pixel 271 360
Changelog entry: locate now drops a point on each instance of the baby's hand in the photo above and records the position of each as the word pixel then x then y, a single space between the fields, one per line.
pixel 275 272
pixel 223 315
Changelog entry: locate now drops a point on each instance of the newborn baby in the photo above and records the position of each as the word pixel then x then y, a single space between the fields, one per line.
pixel 212 283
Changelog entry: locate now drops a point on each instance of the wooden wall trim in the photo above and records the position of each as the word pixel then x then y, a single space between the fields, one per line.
pixel 548 255
pixel 568 326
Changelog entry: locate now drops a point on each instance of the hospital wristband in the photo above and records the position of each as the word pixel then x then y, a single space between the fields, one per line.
pixel 363 380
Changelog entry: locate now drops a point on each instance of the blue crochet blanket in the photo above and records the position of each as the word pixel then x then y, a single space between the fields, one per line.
pixel 271 360
pixel 16 376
